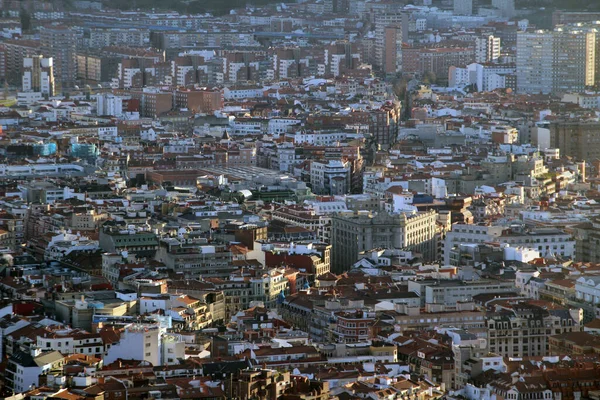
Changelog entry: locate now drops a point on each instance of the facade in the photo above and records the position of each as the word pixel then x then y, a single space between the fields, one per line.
pixel 382 44
pixel 463 7
pixel 547 241
pixel 353 234
pixel 15 52
pixel 38 75
pixel 138 342
pixel 332 178
pixel 183 255
pixel 577 139
pixel 524 330
pixel 60 43
pixel 487 49
pixel 555 61
pixel 449 293
pixel 24 370
pixel 392 62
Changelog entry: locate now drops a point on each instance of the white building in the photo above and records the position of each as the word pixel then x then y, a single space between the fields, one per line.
pixel 330 178
pixel 584 100
pixel 138 342
pixel 278 126
pixel 65 243
pixel 487 49
pixel 486 77
pixel 242 92
pixel 109 104
pixel 27 368
pixel 548 241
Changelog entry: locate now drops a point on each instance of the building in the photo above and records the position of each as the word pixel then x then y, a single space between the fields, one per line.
pixel 576 138
pixel 188 255
pixel 505 7
pixel 352 234
pixel 436 60
pixel 97 68
pixel 449 293
pixel 556 61
pixel 199 101
pixel 486 77
pixel 24 370
pixel 463 7
pixel 523 330
pixel 60 43
pixel 487 49
pixel 547 241
pixel 15 52
pixel 109 104
pixel 392 55
pixel 382 46
pixel 587 236
pixel 137 342
pixel 331 178
pixel 38 75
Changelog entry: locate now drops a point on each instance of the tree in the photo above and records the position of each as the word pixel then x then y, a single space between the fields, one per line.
pixel 429 77
pixel 25 20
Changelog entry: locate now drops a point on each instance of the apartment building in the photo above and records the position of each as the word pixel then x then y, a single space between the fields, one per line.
pixel 386 40
pixel 577 139
pixel 487 49
pixel 38 75
pixel 556 61
pixel 523 330
pixel 463 7
pixel 15 52
pixel 60 43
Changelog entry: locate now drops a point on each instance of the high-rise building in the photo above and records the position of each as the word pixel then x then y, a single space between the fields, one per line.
pixel 60 43
pixel 38 75
pixel 382 21
pixel 15 51
pixel 393 49
pixel 577 139
pixel 506 7
pixel 555 61
pixel 487 49
pixel 463 7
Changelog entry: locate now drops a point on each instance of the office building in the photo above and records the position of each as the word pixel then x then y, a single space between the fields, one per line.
pixel 354 233
pixel 449 293
pixel 463 7
pixel 38 75
pixel 506 8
